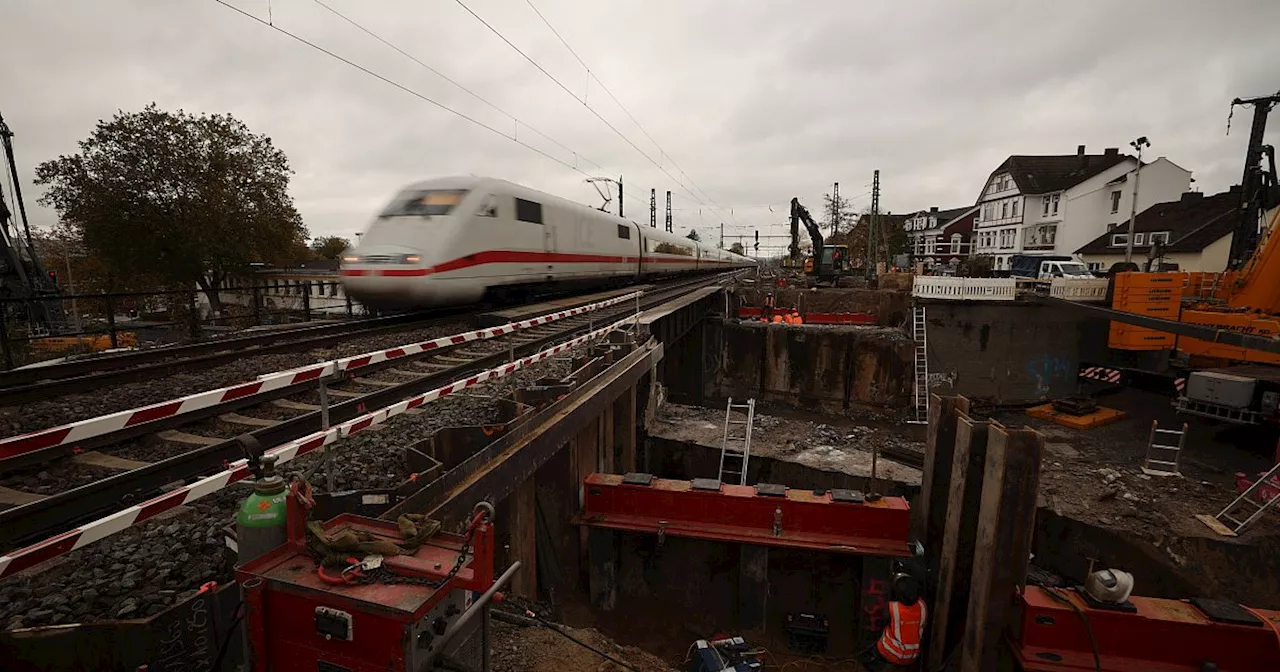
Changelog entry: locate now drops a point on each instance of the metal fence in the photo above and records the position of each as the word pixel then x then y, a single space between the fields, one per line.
pixel 83 323
pixel 1007 289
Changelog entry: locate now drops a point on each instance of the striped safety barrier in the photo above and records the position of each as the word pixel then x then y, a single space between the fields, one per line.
pixel 70 434
pixel 102 528
pixel 1100 373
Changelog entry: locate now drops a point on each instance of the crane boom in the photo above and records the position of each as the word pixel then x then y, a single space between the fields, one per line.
pixel 1258 186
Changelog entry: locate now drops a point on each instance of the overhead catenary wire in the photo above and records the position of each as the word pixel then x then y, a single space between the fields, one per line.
pixel 582 101
pixel 662 153
pixel 450 80
pixel 400 86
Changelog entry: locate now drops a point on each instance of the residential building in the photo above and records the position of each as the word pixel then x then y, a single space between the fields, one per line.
pixel 1055 204
pixel 1193 232
pixel 939 237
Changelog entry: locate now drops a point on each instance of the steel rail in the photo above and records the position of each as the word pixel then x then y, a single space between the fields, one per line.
pixel 23 386
pixel 56 513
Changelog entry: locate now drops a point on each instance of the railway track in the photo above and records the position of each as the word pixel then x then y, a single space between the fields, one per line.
pixel 138 460
pixel 36 383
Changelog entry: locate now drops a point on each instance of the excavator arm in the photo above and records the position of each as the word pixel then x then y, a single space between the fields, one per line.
pixel 799 213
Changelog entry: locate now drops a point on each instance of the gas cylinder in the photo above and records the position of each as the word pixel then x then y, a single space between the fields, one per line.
pixel 261 521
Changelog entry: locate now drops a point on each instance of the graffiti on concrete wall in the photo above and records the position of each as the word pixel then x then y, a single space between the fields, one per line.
pixel 1048 369
pixel 939 379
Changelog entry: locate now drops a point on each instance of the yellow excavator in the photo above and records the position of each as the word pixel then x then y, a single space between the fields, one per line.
pixel 831 262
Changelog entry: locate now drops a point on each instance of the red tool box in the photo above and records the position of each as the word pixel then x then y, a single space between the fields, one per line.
pixel 410 613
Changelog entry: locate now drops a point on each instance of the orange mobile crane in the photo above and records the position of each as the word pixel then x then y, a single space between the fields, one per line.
pixel 1220 331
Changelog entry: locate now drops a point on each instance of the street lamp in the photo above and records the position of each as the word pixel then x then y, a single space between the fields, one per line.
pixel 1138 144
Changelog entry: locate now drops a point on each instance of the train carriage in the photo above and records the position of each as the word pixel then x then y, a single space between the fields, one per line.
pixel 462 240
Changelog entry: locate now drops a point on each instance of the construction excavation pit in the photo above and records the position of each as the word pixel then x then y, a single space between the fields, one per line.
pixel 667 478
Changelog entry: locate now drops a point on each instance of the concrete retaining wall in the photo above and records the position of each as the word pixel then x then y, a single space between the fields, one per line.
pixel 1009 353
pixel 833 369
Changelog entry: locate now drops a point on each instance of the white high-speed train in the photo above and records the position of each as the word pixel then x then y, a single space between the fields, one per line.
pixel 461 240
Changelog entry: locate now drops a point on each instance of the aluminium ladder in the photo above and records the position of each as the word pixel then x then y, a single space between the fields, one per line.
pixel 1156 463
pixel 1248 503
pixel 920 390
pixel 735 450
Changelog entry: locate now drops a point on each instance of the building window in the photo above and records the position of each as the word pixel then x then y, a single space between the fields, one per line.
pixel 1007 237
pixel 1161 237
pixel 1119 239
pixel 1041 237
pixel 930 245
pixel 1139 239
pixel 1115 202
pixel 1015 208
pixel 1095 265
pixel 955 243
pixel 624 232
pixel 1047 200
pixel 528 211
pixel 1055 203
pixel 1004 210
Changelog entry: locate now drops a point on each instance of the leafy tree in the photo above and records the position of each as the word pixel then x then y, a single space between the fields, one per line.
pixel 329 247
pixel 182 198
pixel 736 248
pixel 693 235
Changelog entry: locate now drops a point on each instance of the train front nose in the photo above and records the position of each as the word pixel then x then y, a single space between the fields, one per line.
pixel 387 276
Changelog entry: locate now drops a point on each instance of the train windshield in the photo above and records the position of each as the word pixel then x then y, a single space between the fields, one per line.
pixel 424 203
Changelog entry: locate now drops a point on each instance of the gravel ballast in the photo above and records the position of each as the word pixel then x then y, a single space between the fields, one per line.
pixel 149 567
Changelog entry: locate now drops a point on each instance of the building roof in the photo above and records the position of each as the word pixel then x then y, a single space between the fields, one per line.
pixel 1044 174
pixel 962 223
pixel 944 217
pixel 1194 222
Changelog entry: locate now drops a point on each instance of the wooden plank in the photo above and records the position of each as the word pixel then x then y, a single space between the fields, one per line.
pixel 1011 480
pixel 376 383
pixel 935 481
pixel 1215 525
pixel 523 506
pixel 625 415
pixel 955 557
pixel 11 497
pixel 753 585
pixel 295 405
pixel 93 458
pixel 193 439
pixel 237 419
pixel 344 394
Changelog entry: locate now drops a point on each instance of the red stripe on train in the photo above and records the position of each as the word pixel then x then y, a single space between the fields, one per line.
pixel 517 257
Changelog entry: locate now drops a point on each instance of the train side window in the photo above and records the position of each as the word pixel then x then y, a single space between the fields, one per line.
pixel 528 211
pixel 488 208
pixel 624 232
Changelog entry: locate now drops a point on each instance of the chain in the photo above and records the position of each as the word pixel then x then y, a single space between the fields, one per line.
pixel 384 575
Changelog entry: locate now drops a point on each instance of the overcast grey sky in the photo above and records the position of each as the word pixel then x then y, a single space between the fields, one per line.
pixel 756 101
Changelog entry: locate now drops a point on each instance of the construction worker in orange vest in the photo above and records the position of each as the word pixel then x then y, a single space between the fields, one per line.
pixel 899 644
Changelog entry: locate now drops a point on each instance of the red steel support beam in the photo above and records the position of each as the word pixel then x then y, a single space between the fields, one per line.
pixel 737 514
pixel 1161 635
